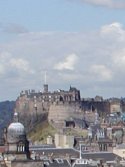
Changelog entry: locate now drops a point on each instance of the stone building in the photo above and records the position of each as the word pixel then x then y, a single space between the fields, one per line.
pixel 119 150
pixel 46 96
pixel 115 105
pixel 16 140
pixel 64 141
pixel 16 153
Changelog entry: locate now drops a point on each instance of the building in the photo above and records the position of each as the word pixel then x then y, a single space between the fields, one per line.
pixel 16 153
pixel 115 105
pixel 71 95
pixel 119 150
pixel 64 141
pixel 16 140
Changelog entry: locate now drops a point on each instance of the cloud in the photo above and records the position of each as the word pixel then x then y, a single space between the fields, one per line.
pixel 13 67
pixel 101 72
pixel 96 63
pixel 68 63
pixel 118 4
pixel 20 64
pixel 114 27
pixel 114 31
pixel 119 59
pixel 12 28
pixel 1 69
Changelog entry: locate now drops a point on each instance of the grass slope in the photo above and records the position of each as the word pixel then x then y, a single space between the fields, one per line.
pixel 41 131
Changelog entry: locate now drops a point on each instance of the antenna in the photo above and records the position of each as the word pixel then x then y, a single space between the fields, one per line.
pixel 45 77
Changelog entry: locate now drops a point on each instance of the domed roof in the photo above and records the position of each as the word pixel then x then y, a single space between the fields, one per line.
pixel 17 127
pixel 15 132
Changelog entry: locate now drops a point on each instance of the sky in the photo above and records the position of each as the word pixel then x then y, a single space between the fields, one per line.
pixel 78 43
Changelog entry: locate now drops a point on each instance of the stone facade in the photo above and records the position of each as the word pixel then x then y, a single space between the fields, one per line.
pixel 17 145
pixel 64 141
pixel 64 111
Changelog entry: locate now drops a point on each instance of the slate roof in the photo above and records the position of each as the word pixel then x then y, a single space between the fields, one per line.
pixel 84 165
pixel 73 153
pixel 106 156
pixel 57 163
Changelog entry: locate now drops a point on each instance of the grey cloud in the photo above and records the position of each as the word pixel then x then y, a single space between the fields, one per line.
pixel 13 67
pixel 117 4
pixel 12 28
pixel 85 60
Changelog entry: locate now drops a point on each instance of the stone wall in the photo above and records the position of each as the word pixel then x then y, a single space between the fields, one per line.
pixel 64 111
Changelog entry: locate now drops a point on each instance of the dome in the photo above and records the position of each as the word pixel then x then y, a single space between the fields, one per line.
pixel 17 128
pixel 15 131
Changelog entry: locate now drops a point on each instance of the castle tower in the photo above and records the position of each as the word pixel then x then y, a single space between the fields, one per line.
pixel 45 86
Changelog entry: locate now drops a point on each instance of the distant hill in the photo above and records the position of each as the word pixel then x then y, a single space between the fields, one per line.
pixel 6 113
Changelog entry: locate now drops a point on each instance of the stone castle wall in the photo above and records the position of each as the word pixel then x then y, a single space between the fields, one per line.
pixel 64 111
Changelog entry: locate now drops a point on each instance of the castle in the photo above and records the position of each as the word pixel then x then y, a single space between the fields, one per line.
pixel 37 104
pixel 60 106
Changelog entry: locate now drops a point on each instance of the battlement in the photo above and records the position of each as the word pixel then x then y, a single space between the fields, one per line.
pixel 46 96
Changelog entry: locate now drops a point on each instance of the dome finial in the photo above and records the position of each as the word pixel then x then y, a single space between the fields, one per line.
pixel 16 118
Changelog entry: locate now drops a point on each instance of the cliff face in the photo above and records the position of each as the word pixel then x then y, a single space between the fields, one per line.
pixel 31 113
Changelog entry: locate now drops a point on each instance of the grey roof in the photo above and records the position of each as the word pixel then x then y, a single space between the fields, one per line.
pixel 73 153
pixel 121 146
pixel 106 156
pixel 57 163
pixel 84 165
